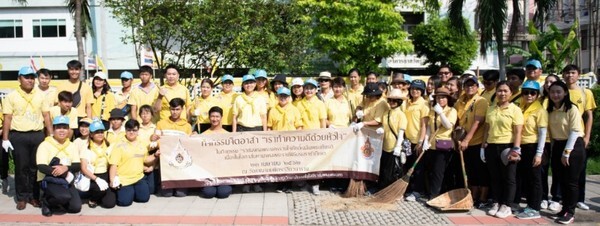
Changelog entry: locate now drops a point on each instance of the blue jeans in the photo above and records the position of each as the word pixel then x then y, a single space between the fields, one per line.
pixel 138 192
pixel 221 192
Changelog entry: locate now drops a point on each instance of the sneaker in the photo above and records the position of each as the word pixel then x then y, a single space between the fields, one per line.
pixel 566 219
pixel 554 206
pixel 246 189
pixel 493 210
pixel 503 212
pixel 412 197
pixel 4 186
pixel 528 213
pixel 558 215
pixel 257 188
pixel 544 204
pixel 583 206
pixel 315 189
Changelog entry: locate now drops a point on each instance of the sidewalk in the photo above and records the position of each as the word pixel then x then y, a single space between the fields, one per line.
pixel 270 208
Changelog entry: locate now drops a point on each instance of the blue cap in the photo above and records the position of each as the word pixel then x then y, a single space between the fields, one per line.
pixel 96 125
pixel 311 81
pixel 407 78
pixel 260 73
pixel 27 70
pixel 248 78
pixel 60 120
pixel 284 91
pixel 419 84
pixel 535 63
pixel 127 75
pixel 227 77
pixel 530 84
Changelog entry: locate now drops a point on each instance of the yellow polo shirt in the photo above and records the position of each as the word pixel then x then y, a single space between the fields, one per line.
pixel 81 144
pixel 50 94
pixel 286 118
pixel 71 114
pixel 97 157
pixel 355 97
pixel 535 117
pixel 102 105
pixel 271 98
pixel 26 110
pixel 375 110
pixel 50 148
pixel 393 121
pixel 138 97
pixel 561 123
pixel 87 96
pixel 501 121
pixel 249 109
pixel 208 131
pixel 128 157
pixel 442 132
pixel 487 94
pixel 313 111
pixel 114 137
pixel 225 101
pixel 176 91
pixel 467 111
pixel 145 132
pixel 202 105
pixel 578 99
pixel 415 111
pixel 338 112
pixel 180 125
pixel 122 98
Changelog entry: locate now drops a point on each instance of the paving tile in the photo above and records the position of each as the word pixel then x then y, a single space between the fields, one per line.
pixel 468 220
pixel 514 220
pixel 255 220
pixel 274 220
pixel 542 221
pixel 490 220
pixel 220 220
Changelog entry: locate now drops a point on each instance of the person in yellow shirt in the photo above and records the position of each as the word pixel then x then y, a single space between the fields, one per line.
pixel 533 70
pixel 471 108
pixel 440 129
pixel 398 82
pixel 222 191
pixel 144 93
pixel 44 79
pixel 354 89
pixel 171 90
pixel 249 108
pixel 394 124
pixel 82 92
pixel 515 79
pixel 25 116
pixel 262 88
pixel 116 131
pixel 297 91
pixel 339 109
pixel 284 116
pixel 490 80
pixel 502 148
pixel 122 95
pixel 202 104
pixel 94 165
pixel 104 99
pixel 584 100
pixel 126 167
pixel 374 106
pixel 433 83
pixel 314 112
pixel 57 161
pixel 568 148
pixel 372 77
pixel 82 142
pixel 65 103
pixel 547 203
pixel 277 82
pixel 149 135
pixel 225 100
pixel 453 86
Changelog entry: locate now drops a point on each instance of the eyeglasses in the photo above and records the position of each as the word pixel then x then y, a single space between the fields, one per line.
pixel 529 93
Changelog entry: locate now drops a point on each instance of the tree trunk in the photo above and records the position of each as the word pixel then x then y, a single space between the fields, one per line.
pixel 79 35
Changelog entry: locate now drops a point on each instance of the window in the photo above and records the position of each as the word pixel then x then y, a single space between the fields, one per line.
pixel 47 28
pixel 11 28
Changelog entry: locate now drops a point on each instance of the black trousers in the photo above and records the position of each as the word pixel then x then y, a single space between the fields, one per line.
pixel 390 169
pixel 57 196
pixel 477 171
pixel 547 189
pixel 582 179
pixel 417 180
pixel 24 154
pixel 529 178
pixel 503 183
pixel 4 158
pixel 244 129
pixel 438 162
pixel 106 198
pixel 568 176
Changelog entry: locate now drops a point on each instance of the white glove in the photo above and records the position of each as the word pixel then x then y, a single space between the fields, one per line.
pixel 379 130
pixel 482 154
pixel 358 126
pixel 397 151
pixel 360 114
pixel 402 158
pixel 102 184
pixel 331 126
pixel 70 177
pixel 197 112
pixel 438 109
pixel 116 182
pixel 153 144
pixel 7 145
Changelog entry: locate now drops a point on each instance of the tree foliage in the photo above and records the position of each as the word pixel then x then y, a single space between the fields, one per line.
pixel 357 33
pixel 442 45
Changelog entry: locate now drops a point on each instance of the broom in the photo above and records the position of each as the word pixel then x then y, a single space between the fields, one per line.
pixel 355 189
pixel 397 189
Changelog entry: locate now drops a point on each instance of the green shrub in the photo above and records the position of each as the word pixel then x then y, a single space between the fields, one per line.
pixel 595 138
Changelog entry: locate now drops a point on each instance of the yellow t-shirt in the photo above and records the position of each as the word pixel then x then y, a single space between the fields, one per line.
pixel 97 157
pixel 102 105
pixel 128 157
pixel 355 97
pixel 561 123
pixel 397 121
pixel 467 111
pixel 271 98
pixel 338 112
pixel 114 137
pixel 284 118
pixel 145 132
pixel 208 131
pixel 443 133
pixel 577 99
pixel 26 110
pixel 138 97
pixel 122 98
pixel 201 106
pixel 71 114
pixel 375 110
pixel 487 94
pixel 177 91
pixel 50 148
pixel 501 121
pixel 87 96
pixel 312 111
pixel 225 101
pixel 535 117
pixel 249 109
pixel 415 111
pixel 180 125
pixel 81 144
pixel 50 94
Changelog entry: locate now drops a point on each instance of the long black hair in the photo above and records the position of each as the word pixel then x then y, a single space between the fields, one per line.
pixel 566 102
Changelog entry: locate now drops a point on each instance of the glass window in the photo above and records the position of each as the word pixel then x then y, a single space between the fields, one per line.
pixel 11 28
pixel 47 28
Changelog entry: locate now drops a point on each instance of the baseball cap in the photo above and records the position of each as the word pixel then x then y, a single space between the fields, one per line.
pixel 284 91
pixel 96 125
pixel 248 78
pixel 530 84
pixel 227 78
pixel 533 62
pixel 297 82
pixel 27 70
pixel 100 75
pixel 311 81
pixel 470 78
pixel 60 120
pixel 127 75
pixel 260 73
pixel 371 89
pixel 419 84
pixel 87 121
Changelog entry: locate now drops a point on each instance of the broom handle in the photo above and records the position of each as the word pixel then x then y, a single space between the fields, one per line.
pixel 462 164
pixel 412 168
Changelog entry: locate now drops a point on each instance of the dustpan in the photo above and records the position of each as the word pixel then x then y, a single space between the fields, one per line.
pixel 457 199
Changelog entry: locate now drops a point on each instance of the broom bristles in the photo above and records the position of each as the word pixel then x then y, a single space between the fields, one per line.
pixel 356 188
pixel 392 192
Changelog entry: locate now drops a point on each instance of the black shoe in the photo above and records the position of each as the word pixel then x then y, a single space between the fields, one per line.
pixel 566 219
pixel 558 215
pixel 46 209
pixel 92 204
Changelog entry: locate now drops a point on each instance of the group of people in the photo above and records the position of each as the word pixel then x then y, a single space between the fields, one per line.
pixel 511 132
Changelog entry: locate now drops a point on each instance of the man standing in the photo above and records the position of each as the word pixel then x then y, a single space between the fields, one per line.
pixel 25 115
pixel 171 90
pixel 44 79
pixel 122 96
pixel 143 94
pixel 82 92
pixel 355 89
pixel 445 73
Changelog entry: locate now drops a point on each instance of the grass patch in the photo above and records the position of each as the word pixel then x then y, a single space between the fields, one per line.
pixel 593 166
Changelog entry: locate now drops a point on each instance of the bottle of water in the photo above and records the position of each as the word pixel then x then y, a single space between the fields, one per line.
pixel 406 146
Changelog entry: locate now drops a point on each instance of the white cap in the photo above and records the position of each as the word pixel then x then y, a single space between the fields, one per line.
pixel 469 72
pixel 325 75
pixel 100 75
pixel 297 82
